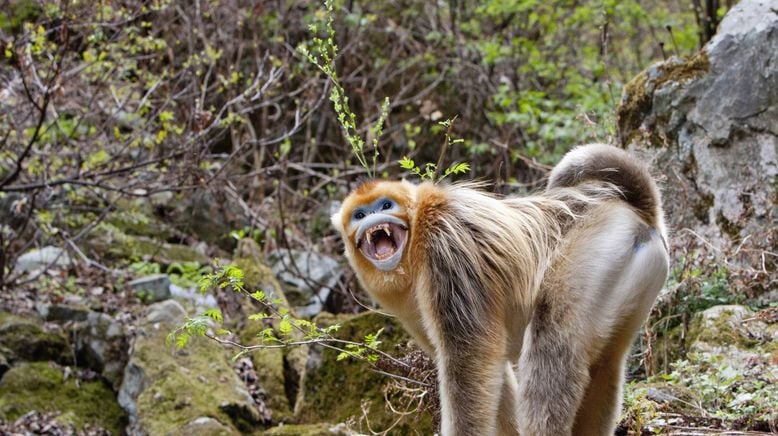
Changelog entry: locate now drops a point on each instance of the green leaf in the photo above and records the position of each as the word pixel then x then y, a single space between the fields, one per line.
pixel 406 163
pixel 214 314
pixel 285 326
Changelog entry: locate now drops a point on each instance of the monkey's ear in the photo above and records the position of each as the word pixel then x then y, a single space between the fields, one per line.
pixel 337 222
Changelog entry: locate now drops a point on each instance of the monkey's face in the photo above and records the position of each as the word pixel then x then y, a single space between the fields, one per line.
pixel 375 226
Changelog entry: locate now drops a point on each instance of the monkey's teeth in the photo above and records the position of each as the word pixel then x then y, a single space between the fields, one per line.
pixel 387 231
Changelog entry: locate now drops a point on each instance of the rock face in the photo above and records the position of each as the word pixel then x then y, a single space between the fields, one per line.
pixel 165 390
pixel 709 124
pixel 97 340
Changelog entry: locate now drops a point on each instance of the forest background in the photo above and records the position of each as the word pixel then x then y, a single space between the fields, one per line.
pixel 209 117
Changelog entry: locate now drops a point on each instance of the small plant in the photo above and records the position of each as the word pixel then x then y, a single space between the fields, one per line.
pixel 187 274
pixel 430 170
pixel 323 55
pixel 723 391
pixel 287 330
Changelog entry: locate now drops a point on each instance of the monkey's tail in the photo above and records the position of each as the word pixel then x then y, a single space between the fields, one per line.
pixel 605 163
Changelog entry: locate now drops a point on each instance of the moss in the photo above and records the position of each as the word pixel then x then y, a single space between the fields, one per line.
pixel 39 386
pixel 638 96
pixel 722 330
pixel 25 339
pixel 194 382
pixel 299 430
pixel 114 243
pixel 682 72
pixel 269 365
pixel 635 105
pixel 336 390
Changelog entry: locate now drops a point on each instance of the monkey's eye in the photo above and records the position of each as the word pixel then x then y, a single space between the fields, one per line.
pixel 386 205
pixel 359 215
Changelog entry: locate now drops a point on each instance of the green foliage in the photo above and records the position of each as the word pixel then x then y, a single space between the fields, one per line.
pixel 697 285
pixel 322 54
pixel 725 392
pixel 287 330
pixel 429 172
pixel 187 274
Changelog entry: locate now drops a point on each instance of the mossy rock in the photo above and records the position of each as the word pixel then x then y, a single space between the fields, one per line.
pixel 111 242
pixel 25 339
pixel 733 334
pixel 722 325
pixel 256 274
pixel 637 100
pixel 300 430
pixel 41 387
pixel 165 389
pixel 335 391
pixel 668 397
pixel 136 217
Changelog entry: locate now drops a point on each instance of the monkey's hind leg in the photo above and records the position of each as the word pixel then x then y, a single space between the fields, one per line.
pixel 553 376
pixel 599 410
pixel 632 295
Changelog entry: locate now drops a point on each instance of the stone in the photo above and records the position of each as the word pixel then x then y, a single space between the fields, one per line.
pixel 151 288
pixel 164 389
pixel 62 312
pixel 308 278
pixel 207 426
pixel 42 387
pixel 101 345
pixel 46 257
pixel 167 312
pixel 192 296
pixel 709 124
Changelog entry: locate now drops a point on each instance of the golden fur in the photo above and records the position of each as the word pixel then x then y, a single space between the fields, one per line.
pixel 529 305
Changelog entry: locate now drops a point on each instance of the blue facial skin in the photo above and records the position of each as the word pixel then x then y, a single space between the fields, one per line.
pixel 378 212
pixel 382 205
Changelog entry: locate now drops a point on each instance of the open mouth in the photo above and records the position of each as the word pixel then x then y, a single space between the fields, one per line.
pixel 382 241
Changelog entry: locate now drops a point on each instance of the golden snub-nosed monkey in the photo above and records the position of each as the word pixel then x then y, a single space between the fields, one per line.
pixel 529 305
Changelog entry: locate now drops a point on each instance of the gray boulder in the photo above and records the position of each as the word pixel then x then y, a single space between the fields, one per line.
pixel 46 257
pixel 151 288
pixel 709 124
pixel 308 278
